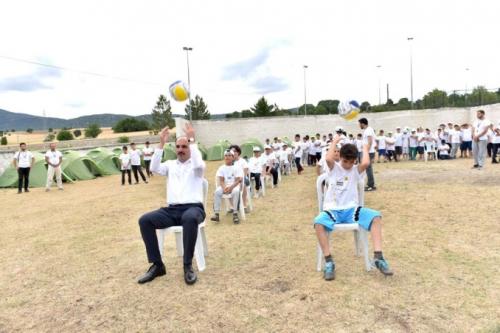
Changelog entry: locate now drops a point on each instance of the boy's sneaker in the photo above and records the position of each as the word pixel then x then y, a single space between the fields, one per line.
pixel 383 266
pixel 329 271
pixel 370 188
pixel 215 218
pixel 236 219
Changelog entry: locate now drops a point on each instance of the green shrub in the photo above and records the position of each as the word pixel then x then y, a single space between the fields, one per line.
pixel 29 130
pixel 123 139
pixel 3 141
pixel 77 133
pixel 64 135
pixel 92 131
pixel 49 138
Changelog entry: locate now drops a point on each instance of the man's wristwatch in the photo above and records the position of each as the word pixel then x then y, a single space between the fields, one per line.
pixel 191 140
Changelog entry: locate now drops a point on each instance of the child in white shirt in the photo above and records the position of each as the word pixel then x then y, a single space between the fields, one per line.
pixel 125 162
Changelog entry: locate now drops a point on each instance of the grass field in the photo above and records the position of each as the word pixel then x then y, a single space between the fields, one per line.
pixel 70 260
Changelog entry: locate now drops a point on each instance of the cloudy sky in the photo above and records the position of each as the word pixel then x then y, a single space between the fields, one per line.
pixel 119 56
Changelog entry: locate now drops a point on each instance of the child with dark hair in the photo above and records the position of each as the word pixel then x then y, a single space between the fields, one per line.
pixel 125 162
pixel 344 177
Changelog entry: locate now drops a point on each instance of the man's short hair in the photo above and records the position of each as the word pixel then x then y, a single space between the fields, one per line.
pixel 147 142
pixel 481 111
pixel 124 147
pixel 236 147
pixel 22 143
pixel 349 152
pixel 363 121
pixel 297 135
pixel 132 144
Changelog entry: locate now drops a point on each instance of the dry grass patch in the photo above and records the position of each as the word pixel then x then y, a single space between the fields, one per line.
pixel 70 260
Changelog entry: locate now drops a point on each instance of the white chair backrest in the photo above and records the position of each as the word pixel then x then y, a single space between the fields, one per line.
pixel 205 192
pixel 319 189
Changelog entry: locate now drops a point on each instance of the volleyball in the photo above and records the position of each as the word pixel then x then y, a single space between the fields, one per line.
pixel 179 91
pixel 349 109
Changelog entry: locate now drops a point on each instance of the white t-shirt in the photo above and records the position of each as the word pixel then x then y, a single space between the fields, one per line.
pixel 366 134
pixel 312 148
pixel 53 156
pixel 390 143
pixel 481 125
pixel 381 141
pixel 125 161
pixel 399 139
pixel 269 160
pixel 359 145
pixel 147 150
pixel 405 140
pixel 276 146
pixel 297 149
pixel 23 158
pixel 421 139
pixel 255 164
pixel 496 138
pixel 344 185
pixel 283 156
pixel 466 134
pixel 230 173
pixel 443 149
pixel 455 136
pixel 242 164
pixel 135 156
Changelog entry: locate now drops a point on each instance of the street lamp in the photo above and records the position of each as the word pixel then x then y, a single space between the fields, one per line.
pixel 187 49
pixel 379 94
pixel 410 39
pixel 305 94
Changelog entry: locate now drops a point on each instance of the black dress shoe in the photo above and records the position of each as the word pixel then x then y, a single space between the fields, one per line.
pixel 152 273
pixel 189 275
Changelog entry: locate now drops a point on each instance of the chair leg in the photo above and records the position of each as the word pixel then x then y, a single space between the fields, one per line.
pixel 179 243
pixel 199 256
pixel 204 240
pixel 241 207
pixel 160 234
pixel 357 247
pixel 364 241
pixel 319 258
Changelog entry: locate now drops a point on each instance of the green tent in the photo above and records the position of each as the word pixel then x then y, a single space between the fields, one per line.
pixel 169 152
pixel 108 163
pixel 247 147
pixel 77 167
pixel 38 173
pixel 216 152
pixel 203 150
pixel 117 151
pixel 286 140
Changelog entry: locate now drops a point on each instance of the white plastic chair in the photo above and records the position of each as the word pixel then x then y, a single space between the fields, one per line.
pixel 227 200
pixel 201 247
pixel 360 234
pixel 262 186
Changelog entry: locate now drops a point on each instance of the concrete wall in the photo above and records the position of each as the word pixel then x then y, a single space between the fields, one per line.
pixel 209 132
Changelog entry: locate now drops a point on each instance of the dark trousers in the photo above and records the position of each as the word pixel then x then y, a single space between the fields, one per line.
pixel 24 176
pixel 135 169
pixel 256 176
pixel 369 171
pixel 129 177
pixel 489 148
pixel 186 215
pixel 147 164
pixel 494 150
pixel 299 166
pixel 273 171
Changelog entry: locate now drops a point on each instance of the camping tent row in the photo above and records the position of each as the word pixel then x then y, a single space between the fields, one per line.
pixel 105 162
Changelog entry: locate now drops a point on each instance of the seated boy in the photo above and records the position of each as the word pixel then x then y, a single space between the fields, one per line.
pixel 344 177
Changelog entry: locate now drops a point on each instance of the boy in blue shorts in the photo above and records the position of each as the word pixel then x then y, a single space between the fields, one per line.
pixel 344 177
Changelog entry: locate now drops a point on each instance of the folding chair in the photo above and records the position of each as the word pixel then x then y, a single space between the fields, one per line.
pixel 227 201
pixel 201 247
pixel 360 235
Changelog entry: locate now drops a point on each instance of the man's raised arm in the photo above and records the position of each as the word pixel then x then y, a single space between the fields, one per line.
pixel 196 158
pixel 156 165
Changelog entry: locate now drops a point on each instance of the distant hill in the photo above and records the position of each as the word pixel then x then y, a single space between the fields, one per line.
pixel 22 121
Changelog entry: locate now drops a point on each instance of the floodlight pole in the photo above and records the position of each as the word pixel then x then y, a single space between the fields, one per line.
pixel 187 49
pixel 410 39
pixel 305 91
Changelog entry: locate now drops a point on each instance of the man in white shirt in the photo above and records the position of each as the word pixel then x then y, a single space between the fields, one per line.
pixel 390 142
pixel 135 161
pixel 421 143
pixel 255 166
pixel 398 137
pixel 413 144
pixel 443 149
pixel 238 161
pixel 369 138
pixel 466 146
pixel 229 177
pixel 406 144
pixel 297 153
pixel 381 144
pixel 125 165
pixel 23 161
pixel 271 164
pixel 283 157
pixel 184 200
pixel 147 153
pixel 479 139
pixel 53 158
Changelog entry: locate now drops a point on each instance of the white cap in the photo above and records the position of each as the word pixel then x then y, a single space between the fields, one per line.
pixel 338 129
pixel 256 148
pixel 267 147
pixel 228 152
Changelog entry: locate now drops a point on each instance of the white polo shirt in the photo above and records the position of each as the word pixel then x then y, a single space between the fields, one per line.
pixel 125 161
pixel 229 173
pixel 369 132
pixel 53 156
pixel 147 151
pixel 255 164
pixel 135 156
pixel 479 126
pixel 23 158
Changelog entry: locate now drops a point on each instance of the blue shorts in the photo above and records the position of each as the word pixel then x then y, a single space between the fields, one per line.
pixel 381 152
pixel 466 145
pixel 363 216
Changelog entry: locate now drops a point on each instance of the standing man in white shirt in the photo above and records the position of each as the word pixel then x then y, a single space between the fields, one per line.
pixel 297 153
pixel 398 144
pixel 229 177
pixel 184 200
pixel 466 146
pixel 147 153
pixel 23 161
pixel 135 159
pixel 369 138
pixel 53 158
pixel 479 139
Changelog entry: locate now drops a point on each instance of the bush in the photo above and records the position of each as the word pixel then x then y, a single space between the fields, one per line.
pixel 123 139
pixel 1 133
pixel 29 130
pixel 49 138
pixel 64 135
pixel 77 133
pixel 51 129
pixel 12 130
pixel 130 125
pixel 3 141
pixel 92 131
